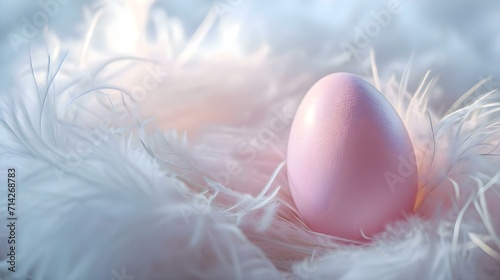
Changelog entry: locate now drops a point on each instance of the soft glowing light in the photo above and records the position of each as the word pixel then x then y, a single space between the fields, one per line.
pixel 310 117
pixel 121 29
pixel 229 36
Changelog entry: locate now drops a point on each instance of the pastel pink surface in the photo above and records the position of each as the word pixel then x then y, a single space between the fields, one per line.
pixel 350 161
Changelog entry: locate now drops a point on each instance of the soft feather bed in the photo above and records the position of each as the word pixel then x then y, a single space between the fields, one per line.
pixel 159 161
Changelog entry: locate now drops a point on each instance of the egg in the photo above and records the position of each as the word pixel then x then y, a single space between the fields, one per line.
pixel 350 161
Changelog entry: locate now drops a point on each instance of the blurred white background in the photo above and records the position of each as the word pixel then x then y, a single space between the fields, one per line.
pixel 458 40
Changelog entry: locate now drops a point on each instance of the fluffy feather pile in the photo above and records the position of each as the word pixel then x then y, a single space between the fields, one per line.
pixel 158 162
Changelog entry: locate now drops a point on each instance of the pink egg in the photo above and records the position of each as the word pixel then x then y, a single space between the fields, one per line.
pixel 351 164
